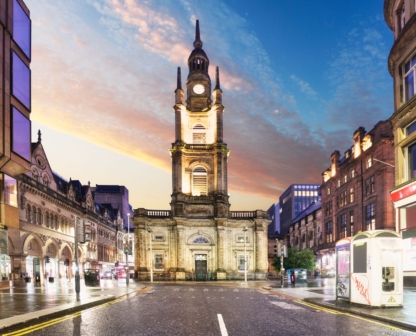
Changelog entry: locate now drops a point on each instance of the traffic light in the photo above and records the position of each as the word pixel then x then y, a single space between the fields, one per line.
pixel 283 250
pixel 126 248
pixel 277 248
pixel 47 259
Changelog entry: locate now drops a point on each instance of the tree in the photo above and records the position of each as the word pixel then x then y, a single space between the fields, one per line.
pixel 296 259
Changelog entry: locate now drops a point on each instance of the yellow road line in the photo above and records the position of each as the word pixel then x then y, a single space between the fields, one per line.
pixel 58 320
pixel 350 315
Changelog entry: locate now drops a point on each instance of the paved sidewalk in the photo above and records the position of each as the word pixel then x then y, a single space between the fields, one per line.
pixel 24 303
pixel 404 317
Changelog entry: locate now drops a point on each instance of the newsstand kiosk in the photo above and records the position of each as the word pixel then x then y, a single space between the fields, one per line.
pixel 377 269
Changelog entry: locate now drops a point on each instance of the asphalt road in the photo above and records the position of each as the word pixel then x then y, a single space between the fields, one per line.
pixel 209 310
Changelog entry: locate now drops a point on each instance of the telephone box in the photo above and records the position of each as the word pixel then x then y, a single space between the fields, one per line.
pixel 377 269
pixel 343 270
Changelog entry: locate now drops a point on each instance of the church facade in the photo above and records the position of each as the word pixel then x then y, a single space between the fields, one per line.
pixel 199 237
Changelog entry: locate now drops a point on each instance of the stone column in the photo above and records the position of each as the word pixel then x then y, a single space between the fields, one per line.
pixel 172 249
pixel 221 274
pixel 261 249
pixel 180 271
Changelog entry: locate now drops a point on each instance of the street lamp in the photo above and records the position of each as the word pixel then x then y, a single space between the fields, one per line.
pixel 151 254
pixel 128 250
pixel 245 254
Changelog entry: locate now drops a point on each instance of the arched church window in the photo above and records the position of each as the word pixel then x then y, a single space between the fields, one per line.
pixel 39 217
pixel 199 181
pixel 33 217
pixel 199 134
pixel 200 240
pixel 28 213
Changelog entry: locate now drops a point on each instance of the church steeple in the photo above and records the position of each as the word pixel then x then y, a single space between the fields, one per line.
pixel 197 42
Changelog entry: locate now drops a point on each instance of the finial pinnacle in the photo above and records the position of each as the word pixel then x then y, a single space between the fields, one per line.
pixel 179 83
pixel 39 136
pixel 197 42
pixel 217 78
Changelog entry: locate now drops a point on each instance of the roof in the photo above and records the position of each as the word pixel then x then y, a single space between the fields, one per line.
pixel 311 208
pixel 110 189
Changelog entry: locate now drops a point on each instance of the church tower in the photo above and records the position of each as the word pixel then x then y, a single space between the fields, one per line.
pixel 199 155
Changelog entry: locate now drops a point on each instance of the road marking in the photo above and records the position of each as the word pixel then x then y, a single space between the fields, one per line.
pixel 43 325
pixel 236 290
pixel 350 315
pixel 205 289
pixel 285 305
pixel 222 325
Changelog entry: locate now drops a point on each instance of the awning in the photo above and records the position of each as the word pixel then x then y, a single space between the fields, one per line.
pixel 411 233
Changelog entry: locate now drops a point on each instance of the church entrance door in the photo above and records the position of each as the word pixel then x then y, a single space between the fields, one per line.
pixel 201 267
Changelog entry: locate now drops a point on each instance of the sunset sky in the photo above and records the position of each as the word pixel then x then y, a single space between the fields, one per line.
pixel 299 77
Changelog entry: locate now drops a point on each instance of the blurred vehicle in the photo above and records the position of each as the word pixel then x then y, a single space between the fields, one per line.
pixel 107 275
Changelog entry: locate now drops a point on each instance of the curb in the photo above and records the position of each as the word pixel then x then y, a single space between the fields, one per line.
pixel 403 325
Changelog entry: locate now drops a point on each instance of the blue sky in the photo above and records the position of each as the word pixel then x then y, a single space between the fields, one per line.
pixel 298 79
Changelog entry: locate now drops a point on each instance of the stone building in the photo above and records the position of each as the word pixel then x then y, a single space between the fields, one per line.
pixel 199 236
pixel 15 109
pixel 355 188
pixel 48 207
pixel 401 19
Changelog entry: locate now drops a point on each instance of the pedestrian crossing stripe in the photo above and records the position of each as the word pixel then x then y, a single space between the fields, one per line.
pixel 391 299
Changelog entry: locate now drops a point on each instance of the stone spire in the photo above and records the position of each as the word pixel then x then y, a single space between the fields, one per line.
pixel 197 42
pixel 39 136
pixel 217 79
pixel 179 83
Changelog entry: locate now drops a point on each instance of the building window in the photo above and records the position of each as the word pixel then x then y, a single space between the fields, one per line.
pixel 409 78
pixel 200 240
pixel 158 238
pixel 199 134
pixel 343 198
pixel 328 208
pixel 345 178
pixel 159 262
pixel 328 191
pixel 343 226
pixel 412 161
pixel 369 162
pixel 353 173
pixel 329 232
pixel 241 239
pixel 241 262
pixel 352 223
pixel 370 216
pixel 351 195
pixel 338 183
pixel 21 81
pixel 199 181
pixel 21 28
pixel 369 185
pixel 21 135
pixel 10 190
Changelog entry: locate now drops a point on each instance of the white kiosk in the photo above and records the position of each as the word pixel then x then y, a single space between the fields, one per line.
pixel 377 269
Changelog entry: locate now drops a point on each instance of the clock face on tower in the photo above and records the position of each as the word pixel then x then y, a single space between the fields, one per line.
pixel 198 89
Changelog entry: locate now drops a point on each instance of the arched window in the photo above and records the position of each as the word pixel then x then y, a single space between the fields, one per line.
pixel 47 219
pixel 200 240
pixel 56 222
pixel 199 134
pixel 199 181
pixel 33 217
pixel 35 174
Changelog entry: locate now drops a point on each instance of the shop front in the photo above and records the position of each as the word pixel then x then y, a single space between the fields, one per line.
pixel 404 199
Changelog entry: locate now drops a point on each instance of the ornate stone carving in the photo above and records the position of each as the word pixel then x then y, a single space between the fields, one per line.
pixel 43 238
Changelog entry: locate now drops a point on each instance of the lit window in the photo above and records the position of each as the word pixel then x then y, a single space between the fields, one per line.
pixel 21 81
pixel 353 173
pixel 351 195
pixel 369 162
pixel 21 28
pixel 339 183
pixel 329 232
pixel 370 216
pixel 21 134
pixel 329 191
pixel 343 226
pixel 345 179
pixel 199 181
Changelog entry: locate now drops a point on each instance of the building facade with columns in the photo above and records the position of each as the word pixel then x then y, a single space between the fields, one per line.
pixel 400 16
pixel 199 237
pixel 43 244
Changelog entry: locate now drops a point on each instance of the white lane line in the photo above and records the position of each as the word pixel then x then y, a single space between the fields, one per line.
pixel 222 326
